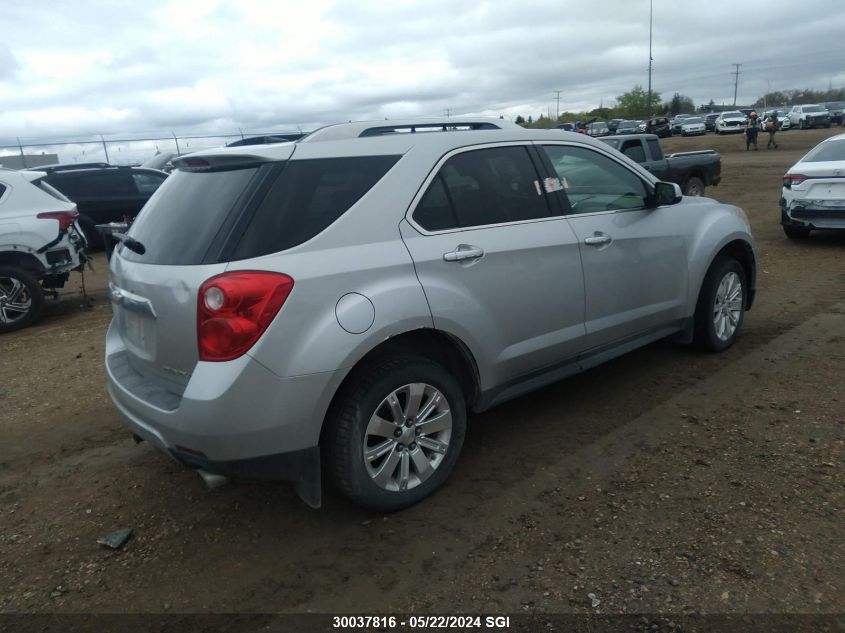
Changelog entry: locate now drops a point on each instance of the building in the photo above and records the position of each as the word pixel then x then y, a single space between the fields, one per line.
pixel 28 161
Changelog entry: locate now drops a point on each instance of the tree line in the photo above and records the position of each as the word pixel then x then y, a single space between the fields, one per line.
pixel 634 104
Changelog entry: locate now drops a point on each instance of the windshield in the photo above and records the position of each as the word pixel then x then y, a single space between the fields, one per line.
pixel 827 151
pixel 694 119
pixel 725 115
pixel 626 124
pixel 813 108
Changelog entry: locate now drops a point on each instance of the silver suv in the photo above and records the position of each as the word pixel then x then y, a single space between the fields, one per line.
pixel 344 300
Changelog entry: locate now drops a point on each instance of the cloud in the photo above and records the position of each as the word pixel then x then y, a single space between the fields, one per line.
pixel 214 66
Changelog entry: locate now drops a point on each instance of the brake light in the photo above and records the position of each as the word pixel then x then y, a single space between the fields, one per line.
pixel 65 218
pixel 793 179
pixel 234 309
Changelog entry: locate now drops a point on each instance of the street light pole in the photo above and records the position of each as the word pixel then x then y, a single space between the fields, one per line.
pixel 650 58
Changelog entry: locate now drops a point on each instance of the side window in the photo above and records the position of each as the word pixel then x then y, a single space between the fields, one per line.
pixel 307 197
pixel 146 183
pixel 481 187
pixel 105 185
pixel 634 150
pixel 594 182
pixel 435 212
pixel 2 190
pixel 654 149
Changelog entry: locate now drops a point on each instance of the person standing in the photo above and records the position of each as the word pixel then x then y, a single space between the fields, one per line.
pixel 772 126
pixel 752 128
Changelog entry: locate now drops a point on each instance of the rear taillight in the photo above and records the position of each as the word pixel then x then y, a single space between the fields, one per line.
pixel 793 179
pixel 65 218
pixel 235 308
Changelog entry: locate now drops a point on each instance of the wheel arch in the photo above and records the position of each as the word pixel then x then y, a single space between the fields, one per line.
pixel 26 261
pixel 742 251
pixel 436 345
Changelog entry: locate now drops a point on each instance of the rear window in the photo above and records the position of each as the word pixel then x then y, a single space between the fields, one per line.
pixel 182 218
pixel 46 188
pixel 306 198
pixel 827 151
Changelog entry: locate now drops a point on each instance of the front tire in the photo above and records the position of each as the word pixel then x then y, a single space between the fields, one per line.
pixel 721 305
pixel 796 232
pixel 395 433
pixel 21 299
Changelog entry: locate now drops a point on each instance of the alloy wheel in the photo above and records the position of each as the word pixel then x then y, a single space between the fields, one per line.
pixel 727 307
pixel 407 437
pixel 15 300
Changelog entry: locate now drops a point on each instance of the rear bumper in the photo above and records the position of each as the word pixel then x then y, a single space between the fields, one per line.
pixel 808 217
pixel 235 418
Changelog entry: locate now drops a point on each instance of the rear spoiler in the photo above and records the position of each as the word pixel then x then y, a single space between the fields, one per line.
pixel 32 176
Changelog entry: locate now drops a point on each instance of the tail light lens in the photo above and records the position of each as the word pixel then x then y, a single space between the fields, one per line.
pixel 793 179
pixel 65 218
pixel 235 308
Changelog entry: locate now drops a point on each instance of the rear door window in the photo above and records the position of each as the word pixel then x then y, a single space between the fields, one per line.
pixel 113 184
pixel 482 187
pixel 307 197
pixel 634 150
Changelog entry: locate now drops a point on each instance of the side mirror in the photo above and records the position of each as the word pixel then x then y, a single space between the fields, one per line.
pixel 665 193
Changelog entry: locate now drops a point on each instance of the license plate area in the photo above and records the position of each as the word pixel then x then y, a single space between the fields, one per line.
pixel 138 332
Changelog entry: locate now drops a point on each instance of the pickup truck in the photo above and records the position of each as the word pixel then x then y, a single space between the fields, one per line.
pixel 693 171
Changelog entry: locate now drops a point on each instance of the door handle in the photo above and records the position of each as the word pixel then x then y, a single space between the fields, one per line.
pixel 463 253
pixel 598 239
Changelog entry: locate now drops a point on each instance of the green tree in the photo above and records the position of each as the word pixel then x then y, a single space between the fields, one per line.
pixel 634 103
pixel 519 120
pixel 680 104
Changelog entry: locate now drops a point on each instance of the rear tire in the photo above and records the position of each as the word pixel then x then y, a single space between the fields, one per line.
pixel 694 187
pixel 796 232
pixel 720 310
pixel 382 411
pixel 21 298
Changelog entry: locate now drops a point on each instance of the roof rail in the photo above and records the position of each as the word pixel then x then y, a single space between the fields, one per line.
pixel 362 129
pixel 71 166
pixel 450 126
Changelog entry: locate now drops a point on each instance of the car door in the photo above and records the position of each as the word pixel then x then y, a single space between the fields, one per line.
pixel 634 257
pixel 500 269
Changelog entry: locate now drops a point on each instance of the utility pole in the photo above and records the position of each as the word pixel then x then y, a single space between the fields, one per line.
pixel 736 81
pixel 557 112
pixel 448 112
pixel 178 151
pixel 105 149
pixel 23 157
pixel 650 58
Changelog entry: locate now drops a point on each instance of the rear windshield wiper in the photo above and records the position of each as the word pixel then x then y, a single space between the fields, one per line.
pixel 132 244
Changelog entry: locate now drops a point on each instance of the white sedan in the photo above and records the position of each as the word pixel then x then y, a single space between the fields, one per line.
pixel 814 190
pixel 692 126
pixel 731 122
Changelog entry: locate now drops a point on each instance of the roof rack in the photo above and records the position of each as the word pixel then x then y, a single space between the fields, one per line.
pixel 71 166
pixel 363 129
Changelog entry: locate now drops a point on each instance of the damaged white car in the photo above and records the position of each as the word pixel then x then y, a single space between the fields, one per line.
pixel 40 244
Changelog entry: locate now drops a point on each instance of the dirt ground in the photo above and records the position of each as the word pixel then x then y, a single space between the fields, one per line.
pixel 666 482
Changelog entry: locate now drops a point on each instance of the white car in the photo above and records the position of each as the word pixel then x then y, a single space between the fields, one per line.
pixel 732 122
pixel 807 116
pixel 814 190
pixel 692 126
pixel 40 244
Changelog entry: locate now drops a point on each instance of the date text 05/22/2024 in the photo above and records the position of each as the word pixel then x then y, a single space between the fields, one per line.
pixel 490 622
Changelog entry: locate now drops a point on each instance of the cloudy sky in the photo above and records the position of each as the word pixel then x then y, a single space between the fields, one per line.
pixel 213 66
